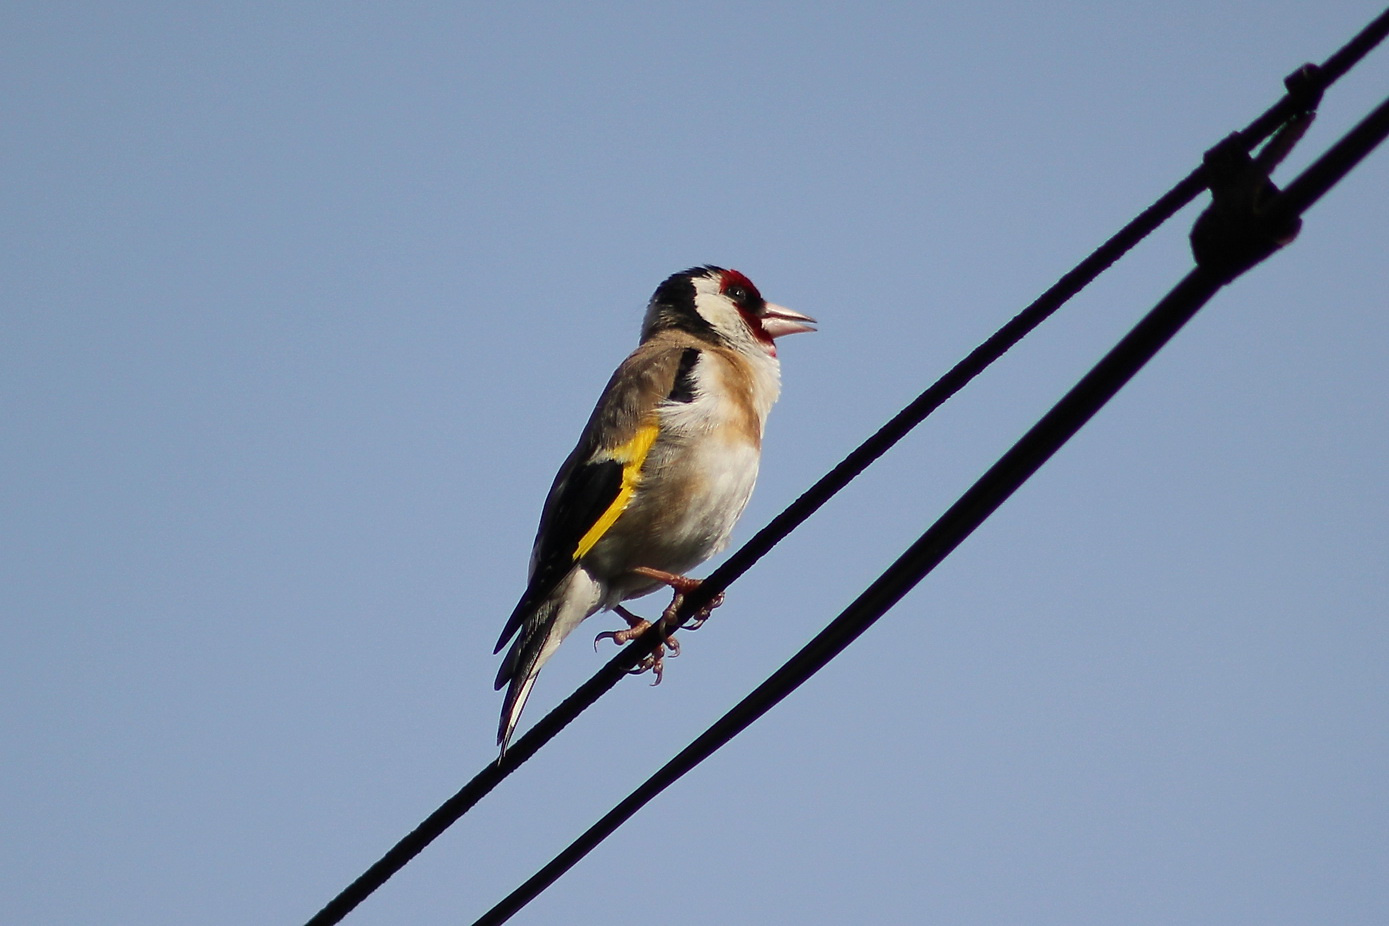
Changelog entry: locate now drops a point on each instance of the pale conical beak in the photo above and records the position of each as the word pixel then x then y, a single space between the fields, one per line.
pixel 777 320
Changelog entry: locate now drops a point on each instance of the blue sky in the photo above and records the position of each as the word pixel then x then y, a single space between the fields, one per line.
pixel 303 307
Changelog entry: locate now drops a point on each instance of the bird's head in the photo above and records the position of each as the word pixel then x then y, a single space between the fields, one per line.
pixel 722 306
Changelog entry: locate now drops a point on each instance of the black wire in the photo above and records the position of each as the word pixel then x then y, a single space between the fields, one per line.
pixel 1305 87
pixel 1339 160
pixel 932 547
pixel 741 560
pixel 1014 468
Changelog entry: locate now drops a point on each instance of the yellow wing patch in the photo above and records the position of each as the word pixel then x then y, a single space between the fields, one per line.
pixel 631 455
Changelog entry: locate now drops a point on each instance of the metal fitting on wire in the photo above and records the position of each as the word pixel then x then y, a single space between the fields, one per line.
pixel 1242 226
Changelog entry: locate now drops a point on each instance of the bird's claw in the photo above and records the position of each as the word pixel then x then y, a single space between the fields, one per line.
pixel 656 665
pixel 621 637
pixel 636 626
pixel 696 620
pixel 681 586
pixel 655 662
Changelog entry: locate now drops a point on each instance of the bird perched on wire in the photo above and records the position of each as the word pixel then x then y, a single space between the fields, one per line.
pixel 661 473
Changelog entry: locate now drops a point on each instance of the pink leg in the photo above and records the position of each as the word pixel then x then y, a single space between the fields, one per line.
pixel 682 585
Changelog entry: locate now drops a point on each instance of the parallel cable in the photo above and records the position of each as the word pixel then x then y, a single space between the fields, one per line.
pixel 1014 468
pixel 1305 87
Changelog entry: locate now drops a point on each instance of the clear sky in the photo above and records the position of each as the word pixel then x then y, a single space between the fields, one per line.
pixel 303 305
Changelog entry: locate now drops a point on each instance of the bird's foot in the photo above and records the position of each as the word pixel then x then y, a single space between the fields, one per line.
pixel 682 586
pixel 636 626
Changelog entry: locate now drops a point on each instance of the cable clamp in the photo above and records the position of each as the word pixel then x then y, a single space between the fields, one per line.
pixel 1241 226
pixel 1305 86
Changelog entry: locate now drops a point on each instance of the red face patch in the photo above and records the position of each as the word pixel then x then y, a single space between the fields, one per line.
pixel 749 303
pixel 732 279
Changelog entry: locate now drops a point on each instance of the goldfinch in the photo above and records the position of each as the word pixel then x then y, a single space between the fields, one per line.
pixel 662 471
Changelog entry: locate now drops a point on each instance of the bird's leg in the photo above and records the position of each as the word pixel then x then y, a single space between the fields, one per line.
pixel 682 586
pixel 636 626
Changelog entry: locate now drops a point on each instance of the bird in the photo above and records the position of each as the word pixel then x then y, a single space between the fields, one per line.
pixel 661 472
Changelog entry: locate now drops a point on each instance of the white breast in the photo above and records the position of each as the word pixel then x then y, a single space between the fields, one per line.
pixel 697 478
pixel 714 444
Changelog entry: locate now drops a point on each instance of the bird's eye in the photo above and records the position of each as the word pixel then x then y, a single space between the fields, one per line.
pixel 738 294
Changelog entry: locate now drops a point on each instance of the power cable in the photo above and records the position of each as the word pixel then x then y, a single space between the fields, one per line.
pixel 1238 248
pixel 1304 89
